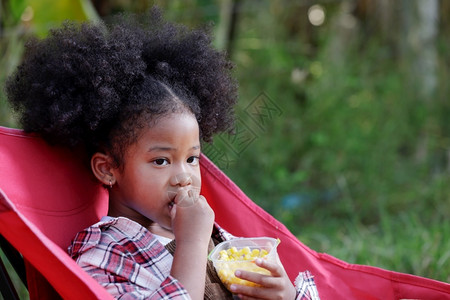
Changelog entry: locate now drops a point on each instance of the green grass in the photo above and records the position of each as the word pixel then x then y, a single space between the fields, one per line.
pixel 401 243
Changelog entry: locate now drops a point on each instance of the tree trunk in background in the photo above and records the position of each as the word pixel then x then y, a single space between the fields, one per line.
pixel 346 29
pixel 229 10
pixel 420 30
pixel 379 19
pixel 419 56
pixel 103 7
pixel 410 29
pixel 444 21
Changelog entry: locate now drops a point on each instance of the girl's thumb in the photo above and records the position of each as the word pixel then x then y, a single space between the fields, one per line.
pixel 173 211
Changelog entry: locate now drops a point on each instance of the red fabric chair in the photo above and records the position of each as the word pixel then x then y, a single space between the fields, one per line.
pixel 46 196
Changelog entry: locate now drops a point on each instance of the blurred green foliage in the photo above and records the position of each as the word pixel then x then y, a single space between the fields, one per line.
pixel 341 166
pixel 20 19
pixel 347 154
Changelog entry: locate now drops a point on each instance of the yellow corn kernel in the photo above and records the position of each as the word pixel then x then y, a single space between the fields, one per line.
pixel 233 254
pixel 245 250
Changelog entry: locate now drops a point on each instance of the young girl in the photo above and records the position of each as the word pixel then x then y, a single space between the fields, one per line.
pixel 137 97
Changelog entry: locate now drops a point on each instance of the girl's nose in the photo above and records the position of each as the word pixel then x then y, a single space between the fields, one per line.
pixel 182 179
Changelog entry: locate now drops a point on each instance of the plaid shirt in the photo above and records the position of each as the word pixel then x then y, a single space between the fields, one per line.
pixel 130 262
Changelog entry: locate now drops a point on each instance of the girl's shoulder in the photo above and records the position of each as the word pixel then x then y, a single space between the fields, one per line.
pixel 117 234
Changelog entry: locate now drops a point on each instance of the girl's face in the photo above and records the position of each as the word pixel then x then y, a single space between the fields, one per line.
pixel 163 161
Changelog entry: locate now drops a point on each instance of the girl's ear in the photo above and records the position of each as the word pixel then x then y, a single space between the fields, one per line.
pixel 101 165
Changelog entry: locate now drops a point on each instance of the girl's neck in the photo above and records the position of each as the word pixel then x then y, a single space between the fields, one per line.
pixel 155 228
pixel 151 226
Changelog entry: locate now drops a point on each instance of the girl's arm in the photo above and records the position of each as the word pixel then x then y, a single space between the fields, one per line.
pixel 192 226
pixel 189 267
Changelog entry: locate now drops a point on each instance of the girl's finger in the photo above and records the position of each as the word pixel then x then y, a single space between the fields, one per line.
pixel 246 292
pixel 267 281
pixel 273 267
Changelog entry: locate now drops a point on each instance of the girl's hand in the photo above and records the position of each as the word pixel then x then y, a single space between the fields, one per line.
pixel 192 218
pixel 274 286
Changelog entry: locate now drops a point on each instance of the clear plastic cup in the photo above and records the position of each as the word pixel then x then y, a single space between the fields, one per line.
pixel 226 268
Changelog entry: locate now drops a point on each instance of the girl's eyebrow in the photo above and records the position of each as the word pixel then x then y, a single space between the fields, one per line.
pixel 168 148
pixel 160 148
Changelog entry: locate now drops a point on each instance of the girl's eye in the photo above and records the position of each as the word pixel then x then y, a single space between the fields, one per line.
pixel 161 162
pixel 193 160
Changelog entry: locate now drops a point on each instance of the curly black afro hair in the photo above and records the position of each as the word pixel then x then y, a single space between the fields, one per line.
pixel 95 85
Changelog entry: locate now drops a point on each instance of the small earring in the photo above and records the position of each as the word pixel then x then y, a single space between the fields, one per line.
pixel 110 184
